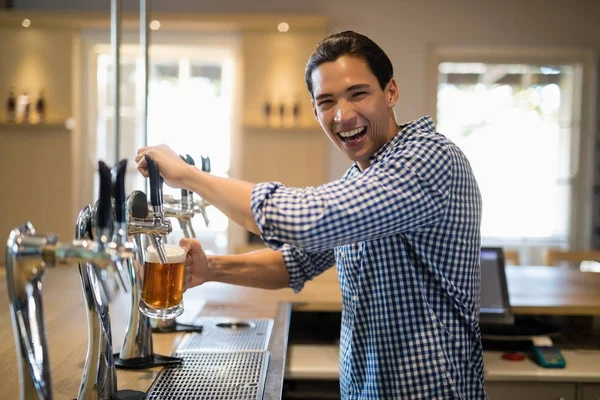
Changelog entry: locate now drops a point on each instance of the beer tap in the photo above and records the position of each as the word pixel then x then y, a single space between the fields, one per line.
pixel 184 212
pixel 157 226
pixel 99 377
pixel 137 350
pixel 27 257
pixel 186 208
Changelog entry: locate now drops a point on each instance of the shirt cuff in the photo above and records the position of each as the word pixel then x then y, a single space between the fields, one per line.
pixel 261 192
pixel 294 268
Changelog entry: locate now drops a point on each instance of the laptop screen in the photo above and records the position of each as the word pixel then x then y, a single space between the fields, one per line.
pixel 495 304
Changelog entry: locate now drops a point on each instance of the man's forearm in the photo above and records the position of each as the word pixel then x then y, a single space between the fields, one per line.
pixel 263 269
pixel 230 196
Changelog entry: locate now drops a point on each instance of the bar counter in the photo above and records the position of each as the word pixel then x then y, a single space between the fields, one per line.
pixel 66 329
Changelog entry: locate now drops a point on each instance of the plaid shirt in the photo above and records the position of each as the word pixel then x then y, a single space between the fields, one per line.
pixel 405 236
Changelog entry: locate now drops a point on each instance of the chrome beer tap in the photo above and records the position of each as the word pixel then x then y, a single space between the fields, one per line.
pixel 27 257
pixel 99 377
pixel 137 350
pixel 184 210
pixel 155 227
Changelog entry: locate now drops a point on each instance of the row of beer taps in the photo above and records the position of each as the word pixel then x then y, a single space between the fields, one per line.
pixel 106 258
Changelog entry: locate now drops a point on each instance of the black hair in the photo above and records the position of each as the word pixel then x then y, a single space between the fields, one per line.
pixel 349 43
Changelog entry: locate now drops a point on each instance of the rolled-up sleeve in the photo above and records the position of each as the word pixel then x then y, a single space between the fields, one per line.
pixel 260 208
pixel 303 266
pixel 407 191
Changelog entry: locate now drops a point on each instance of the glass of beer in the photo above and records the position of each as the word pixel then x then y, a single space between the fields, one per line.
pixel 162 285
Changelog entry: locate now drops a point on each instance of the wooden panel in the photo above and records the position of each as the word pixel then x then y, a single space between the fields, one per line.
pixel 36 169
pixel 295 157
pixel 590 392
pixel 529 391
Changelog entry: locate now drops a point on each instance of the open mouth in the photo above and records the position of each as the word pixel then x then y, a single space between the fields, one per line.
pixel 353 135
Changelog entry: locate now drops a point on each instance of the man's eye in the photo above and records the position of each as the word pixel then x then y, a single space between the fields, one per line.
pixel 324 103
pixel 359 94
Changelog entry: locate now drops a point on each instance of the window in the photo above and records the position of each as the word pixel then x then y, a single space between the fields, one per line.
pixel 519 125
pixel 190 107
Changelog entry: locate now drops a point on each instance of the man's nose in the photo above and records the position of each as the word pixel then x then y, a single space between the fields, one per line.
pixel 344 111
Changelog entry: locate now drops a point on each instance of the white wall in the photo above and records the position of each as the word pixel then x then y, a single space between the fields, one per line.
pixel 407 29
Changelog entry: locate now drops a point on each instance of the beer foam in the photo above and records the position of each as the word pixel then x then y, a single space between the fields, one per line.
pixel 175 254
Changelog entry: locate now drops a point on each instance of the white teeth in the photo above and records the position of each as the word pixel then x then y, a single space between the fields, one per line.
pixel 352 132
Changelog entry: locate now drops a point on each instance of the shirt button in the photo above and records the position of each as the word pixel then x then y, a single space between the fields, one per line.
pixel 342 255
pixel 354 298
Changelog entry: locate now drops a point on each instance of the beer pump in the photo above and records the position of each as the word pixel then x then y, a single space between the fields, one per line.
pixel 184 210
pixel 27 257
pixel 137 350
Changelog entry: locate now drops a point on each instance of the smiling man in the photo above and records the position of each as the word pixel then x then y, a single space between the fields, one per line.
pixel 402 226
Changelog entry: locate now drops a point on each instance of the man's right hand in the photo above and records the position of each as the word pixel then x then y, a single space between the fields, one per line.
pixel 196 264
pixel 172 168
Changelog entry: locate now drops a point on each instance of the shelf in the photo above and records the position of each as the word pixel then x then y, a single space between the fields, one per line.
pixel 253 129
pixel 51 126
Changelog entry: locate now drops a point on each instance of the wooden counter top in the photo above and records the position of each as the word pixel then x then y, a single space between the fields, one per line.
pixel 533 290
pixel 542 290
pixel 66 328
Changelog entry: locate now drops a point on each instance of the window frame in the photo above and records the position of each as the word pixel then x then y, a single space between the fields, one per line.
pixel 580 226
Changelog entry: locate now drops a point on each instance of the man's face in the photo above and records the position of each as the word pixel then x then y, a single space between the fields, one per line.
pixel 352 108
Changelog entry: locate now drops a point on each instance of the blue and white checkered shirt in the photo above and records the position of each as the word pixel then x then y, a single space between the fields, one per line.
pixel 405 236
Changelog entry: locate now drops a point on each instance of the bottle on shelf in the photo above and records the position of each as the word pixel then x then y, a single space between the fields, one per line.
pixel 11 107
pixel 281 113
pixel 267 112
pixel 296 112
pixel 40 107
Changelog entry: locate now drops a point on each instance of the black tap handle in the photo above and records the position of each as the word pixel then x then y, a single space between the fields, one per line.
pixel 184 193
pixel 189 160
pixel 205 164
pixel 103 216
pixel 156 182
pixel 118 189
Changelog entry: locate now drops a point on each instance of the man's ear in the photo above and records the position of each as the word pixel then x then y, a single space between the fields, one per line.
pixel 314 109
pixel 392 93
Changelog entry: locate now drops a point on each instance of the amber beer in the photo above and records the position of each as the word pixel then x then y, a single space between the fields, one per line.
pixel 162 287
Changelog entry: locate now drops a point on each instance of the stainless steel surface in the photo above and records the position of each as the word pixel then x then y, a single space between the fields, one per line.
pixel 138 336
pixel 28 255
pixel 184 217
pixel 99 380
pixel 115 39
pixel 145 44
pixel 155 226
pixel 185 211
pixel 23 274
pixel 235 375
pixel 229 334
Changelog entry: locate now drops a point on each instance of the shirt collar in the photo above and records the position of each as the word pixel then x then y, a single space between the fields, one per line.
pixel 404 130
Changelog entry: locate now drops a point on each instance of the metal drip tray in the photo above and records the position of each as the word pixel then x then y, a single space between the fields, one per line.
pixel 229 334
pixel 235 375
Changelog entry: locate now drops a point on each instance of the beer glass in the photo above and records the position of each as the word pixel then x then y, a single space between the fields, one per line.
pixel 162 284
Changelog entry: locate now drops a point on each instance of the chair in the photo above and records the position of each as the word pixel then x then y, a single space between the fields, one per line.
pixel 554 257
pixel 511 257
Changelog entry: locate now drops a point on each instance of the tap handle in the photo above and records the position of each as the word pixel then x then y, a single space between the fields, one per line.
pixel 156 182
pixel 189 160
pixel 205 164
pixel 184 193
pixel 118 189
pixel 103 216
pixel 137 205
